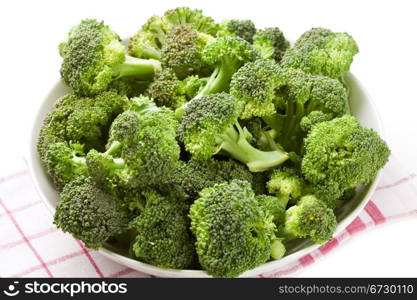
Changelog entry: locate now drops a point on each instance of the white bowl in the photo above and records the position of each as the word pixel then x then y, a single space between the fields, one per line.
pixel 361 107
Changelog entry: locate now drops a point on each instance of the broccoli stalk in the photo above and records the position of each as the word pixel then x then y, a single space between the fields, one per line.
pixel 210 125
pixel 235 143
pixel 132 66
pixel 227 54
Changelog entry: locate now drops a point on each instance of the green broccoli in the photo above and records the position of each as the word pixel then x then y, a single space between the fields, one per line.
pixel 197 175
pixel 286 184
pixel 167 90
pixel 93 57
pixel 149 40
pixel 143 147
pixel 257 84
pixel 129 86
pixel 322 52
pixel 183 51
pixel 233 232
pixel 89 213
pixel 64 162
pixel 227 54
pixel 210 125
pixel 301 96
pixel 244 29
pixel 270 43
pixel 163 238
pixel 74 126
pixel 309 218
pixel 339 155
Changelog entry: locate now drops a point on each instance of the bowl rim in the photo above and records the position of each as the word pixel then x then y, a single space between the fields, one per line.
pixel 267 267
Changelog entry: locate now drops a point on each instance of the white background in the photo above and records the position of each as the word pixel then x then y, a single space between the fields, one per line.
pixel 386 32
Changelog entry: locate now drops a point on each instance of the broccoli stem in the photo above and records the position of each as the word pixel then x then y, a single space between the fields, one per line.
pixel 278 249
pixel 218 82
pixel 132 66
pixel 235 143
pixel 151 52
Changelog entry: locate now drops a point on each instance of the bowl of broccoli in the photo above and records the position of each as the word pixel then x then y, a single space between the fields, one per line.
pixel 200 148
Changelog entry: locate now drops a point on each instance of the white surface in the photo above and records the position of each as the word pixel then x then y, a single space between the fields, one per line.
pixel 384 30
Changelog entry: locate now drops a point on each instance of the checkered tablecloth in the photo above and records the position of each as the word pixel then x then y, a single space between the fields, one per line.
pixel 31 246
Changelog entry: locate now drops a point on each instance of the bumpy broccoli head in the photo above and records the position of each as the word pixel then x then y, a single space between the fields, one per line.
pixel 200 174
pixel 80 120
pixel 272 205
pixel 163 238
pixel 167 90
pixel 286 184
pixel 313 118
pixel 271 43
pixel 90 52
pixel 183 49
pixel 129 86
pixel 257 84
pixel 340 154
pixel 310 218
pixel 150 39
pixel 205 119
pixel 185 15
pixel 64 162
pixel 88 213
pixel 232 52
pixel 75 125
pixel 245 29
pixel 323 52
pixel 233 232
pixel 301 95
pixel 148 151
pixel 93 56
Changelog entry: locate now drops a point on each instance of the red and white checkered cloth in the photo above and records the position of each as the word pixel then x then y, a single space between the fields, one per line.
pixel 30 245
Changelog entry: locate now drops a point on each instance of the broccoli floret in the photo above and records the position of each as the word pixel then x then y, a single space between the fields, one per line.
pixel 129 86
pixel 301 95
pixel 147 151
pixel 310 218
pixel 210 125
pixel 167 90
pixel 183 51
pixel 273 206
pixel 163 238
pixel 339 155
pixel 185 15
pixel 257 85
pixel 200 174
pixel 227 54
pixel 233 232
pixel 270 43
pixel 287 185
pixel 322 52
pixel 313 118
pixel 192 85
pixel 64 162
pixel 89 213
pixel 245 29
pixel 74 126
pixel 93 56
pixel 150 39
